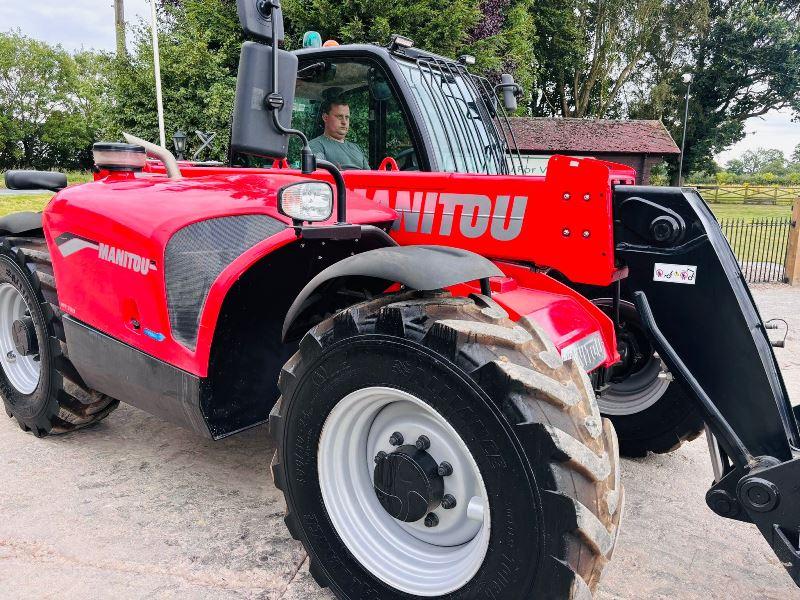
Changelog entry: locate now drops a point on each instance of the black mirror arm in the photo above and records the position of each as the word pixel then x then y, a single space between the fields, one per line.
pixel 341 190
pixel 515 87
pixel 308 162
pixel 275 101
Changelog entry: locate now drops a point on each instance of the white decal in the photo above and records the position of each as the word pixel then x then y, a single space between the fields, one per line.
pixel 473 215
pixel 69 246
pixel 125 259
pixel 588 351
pixel 675 273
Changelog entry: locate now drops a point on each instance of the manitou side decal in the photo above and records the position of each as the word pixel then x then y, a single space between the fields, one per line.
pixel 125 259
pixel 68 244
pixel 479 214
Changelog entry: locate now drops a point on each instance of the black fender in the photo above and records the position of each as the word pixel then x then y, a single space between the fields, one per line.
pixel 421 268
pixel 20 223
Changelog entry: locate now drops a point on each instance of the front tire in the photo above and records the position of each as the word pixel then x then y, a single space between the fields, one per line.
pixel 39 386
pixel 533 470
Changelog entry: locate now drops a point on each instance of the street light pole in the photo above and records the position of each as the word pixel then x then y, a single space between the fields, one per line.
pixel 119 24
pixel 687 79
pixel 157 74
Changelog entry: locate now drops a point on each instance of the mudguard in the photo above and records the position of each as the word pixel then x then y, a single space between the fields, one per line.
pixel 416 267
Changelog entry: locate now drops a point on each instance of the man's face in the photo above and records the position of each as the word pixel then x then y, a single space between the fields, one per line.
pixel 337 121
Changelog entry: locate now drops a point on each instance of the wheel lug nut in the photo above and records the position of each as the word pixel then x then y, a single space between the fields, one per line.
pixel 423 443
pixel 448 502
pixel 396 439
pixel 445 469
pixel 380 456
pixel 431 520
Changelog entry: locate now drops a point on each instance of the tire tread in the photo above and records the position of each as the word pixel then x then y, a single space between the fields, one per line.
pixel 551 403
pixel 76 406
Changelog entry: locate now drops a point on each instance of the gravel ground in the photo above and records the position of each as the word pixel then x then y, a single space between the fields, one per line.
pixel 134 508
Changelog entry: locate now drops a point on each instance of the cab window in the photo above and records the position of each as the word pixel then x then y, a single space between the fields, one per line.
pixel 329 90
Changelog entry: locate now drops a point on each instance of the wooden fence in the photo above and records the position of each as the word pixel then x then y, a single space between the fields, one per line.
pixel 749 194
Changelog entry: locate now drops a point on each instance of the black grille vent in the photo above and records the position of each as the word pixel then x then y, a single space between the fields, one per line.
pixel 195 257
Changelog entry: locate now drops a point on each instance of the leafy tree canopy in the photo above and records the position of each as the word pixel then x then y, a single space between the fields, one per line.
pixel 745 62
pixel 49 104
pixel 200 42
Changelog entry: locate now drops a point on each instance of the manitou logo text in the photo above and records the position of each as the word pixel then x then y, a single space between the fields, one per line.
pixel 474 215
pixel 125 259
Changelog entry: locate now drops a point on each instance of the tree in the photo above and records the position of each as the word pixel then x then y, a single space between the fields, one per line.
pixel 763 160
pixel 374 21
pixel 745 62
pixel 589 50
pixel 49 104
pixel 199 43
pixel 796 155
pixel 735 166
pixel 497 32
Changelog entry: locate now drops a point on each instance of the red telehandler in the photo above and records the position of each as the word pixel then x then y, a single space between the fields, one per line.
pixel 428 323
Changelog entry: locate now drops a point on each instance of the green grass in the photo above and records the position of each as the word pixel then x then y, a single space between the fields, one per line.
pixel 34 202
pixel 765 242
pixel 749 211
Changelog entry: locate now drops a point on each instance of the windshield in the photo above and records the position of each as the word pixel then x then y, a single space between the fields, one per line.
pixel 468 130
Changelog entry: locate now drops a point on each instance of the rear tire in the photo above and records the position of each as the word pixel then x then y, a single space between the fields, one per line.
pixel 526 420
pixel 57 400
pixel 650 412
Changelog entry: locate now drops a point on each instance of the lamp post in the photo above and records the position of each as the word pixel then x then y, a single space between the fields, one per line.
pixel 179 141
pixel 687 80
pixel 157 73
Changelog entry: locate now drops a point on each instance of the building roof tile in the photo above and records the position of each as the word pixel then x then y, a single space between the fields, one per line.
pixel 550 135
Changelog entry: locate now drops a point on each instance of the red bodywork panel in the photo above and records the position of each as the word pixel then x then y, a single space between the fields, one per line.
pixel 506 218
pixel 139 215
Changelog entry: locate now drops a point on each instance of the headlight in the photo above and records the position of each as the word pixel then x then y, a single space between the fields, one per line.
pixel 310 201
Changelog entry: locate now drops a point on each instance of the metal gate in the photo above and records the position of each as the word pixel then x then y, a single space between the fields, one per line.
pixel 760 246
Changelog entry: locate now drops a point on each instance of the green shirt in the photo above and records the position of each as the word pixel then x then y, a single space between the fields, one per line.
pixel 339 153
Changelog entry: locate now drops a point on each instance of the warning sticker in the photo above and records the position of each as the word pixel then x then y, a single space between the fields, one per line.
pixel 675 273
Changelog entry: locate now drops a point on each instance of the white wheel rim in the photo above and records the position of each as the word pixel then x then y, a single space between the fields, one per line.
pixel 406 556
pixel 22 371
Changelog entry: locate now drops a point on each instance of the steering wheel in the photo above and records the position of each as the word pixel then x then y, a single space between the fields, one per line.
pixel 388 164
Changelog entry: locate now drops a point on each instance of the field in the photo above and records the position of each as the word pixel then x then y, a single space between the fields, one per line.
pixel 16 203
pixel 758 235
pixel 749 211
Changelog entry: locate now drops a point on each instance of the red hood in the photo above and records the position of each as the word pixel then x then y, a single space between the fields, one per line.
pixel 156 207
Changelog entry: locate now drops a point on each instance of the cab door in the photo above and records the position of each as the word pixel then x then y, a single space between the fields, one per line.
pixel 379 125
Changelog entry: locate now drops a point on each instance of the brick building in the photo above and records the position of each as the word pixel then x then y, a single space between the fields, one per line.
pixel 638 144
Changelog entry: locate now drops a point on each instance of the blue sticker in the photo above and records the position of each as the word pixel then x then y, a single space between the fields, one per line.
pixel 159 337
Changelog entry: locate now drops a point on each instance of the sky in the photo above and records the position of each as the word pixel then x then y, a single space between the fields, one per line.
pixel 89 24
